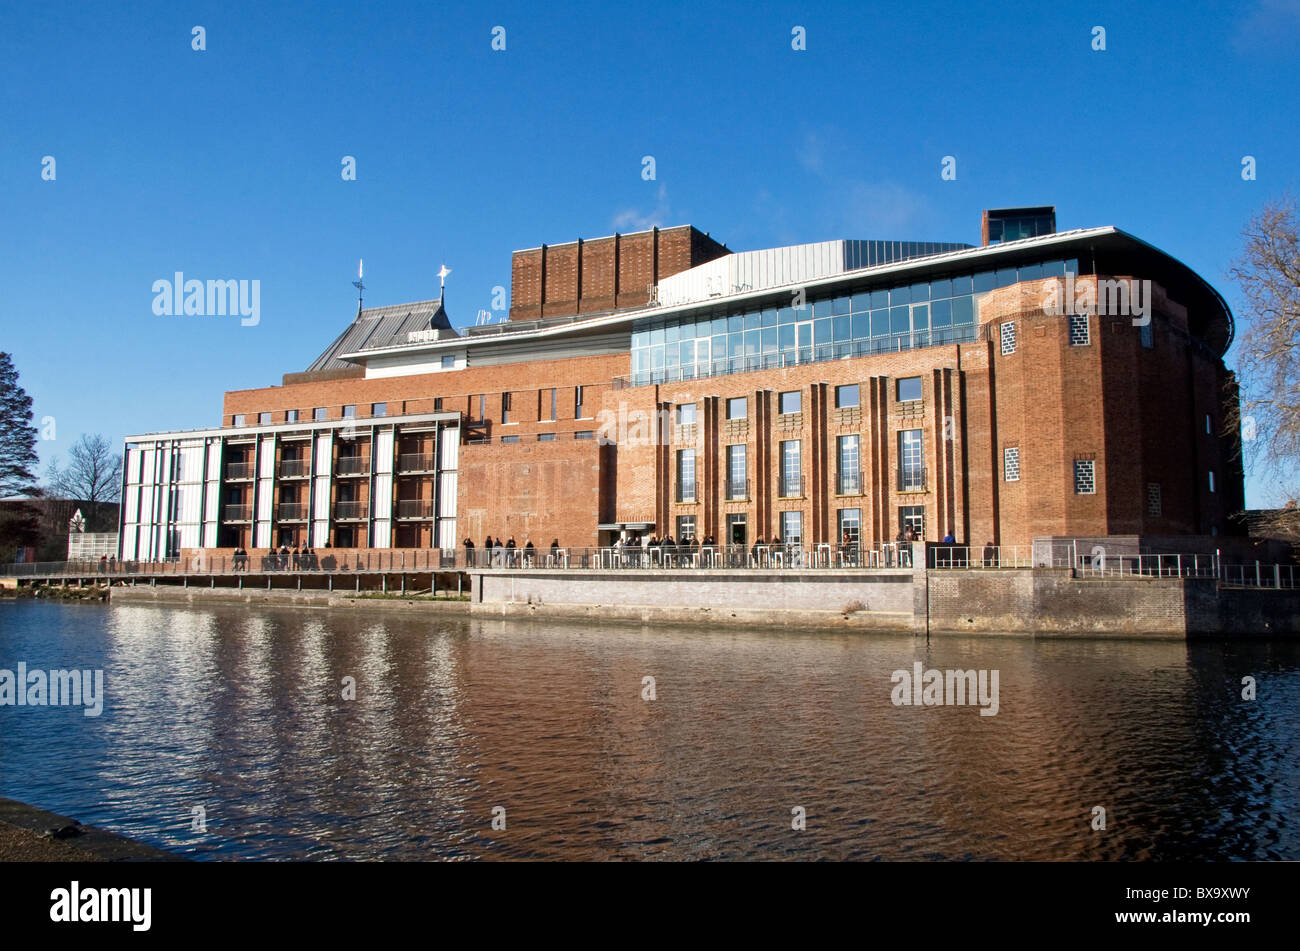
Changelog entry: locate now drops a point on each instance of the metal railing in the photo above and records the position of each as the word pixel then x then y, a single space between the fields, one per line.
pixel 292 468
pixel 911 479
pixel 236 513
pixel 415 508
pixel 291 511
pixel 239 470
pixel 849 483
pixel 352 465
pixel 351 510
pixel 416 462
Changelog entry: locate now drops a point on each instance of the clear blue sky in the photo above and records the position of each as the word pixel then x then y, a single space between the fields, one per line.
pixel 226 163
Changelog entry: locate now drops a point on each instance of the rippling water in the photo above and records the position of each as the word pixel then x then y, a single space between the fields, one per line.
pixel 239 711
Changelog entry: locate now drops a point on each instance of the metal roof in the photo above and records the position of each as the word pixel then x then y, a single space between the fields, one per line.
pixel 377 327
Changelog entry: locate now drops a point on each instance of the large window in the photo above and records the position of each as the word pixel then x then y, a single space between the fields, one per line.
pixel 318 414
pixel 578 412
pixel 378 409
pixel 737 407
pixel 736 472
pixel 849 527
pixel 909 389
pixel 849 475
pixel 505 408
pixel 846 396
pixel 913 517
pixel 792 401
pixel 350 411
pixel 685 414
pixel 792 528
pixel 685 528
pixel 686 475
pixel 1085 481
pixel 911 461
pixel 790 469
pixel 291 416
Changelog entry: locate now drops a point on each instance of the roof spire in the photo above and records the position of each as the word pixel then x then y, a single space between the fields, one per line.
pixel 358 283
pixel 442 279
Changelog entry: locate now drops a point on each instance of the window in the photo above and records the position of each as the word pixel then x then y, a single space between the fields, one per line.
pixel 448 361
pixel 1008 335
pixel 546 437
pixel 482 406
pixel 505 408
pixel 792 528
pixel 911 467
pixel 849 524
pixel 378 409
pixel 846 396
pixel 913 517
pixel 350 411
pixel 577 403
pixel 551 415
pixel 437 404
pixel 1011 464
pixel 264 419
pixel 585 434
pixel 736 472
pixel 792 402
pixel 237 419
pixel 1079 330
pixel 510 439
pixel 737 531
pixel 1211 480
pixel 686 475
pixel 849 476
pixel 1154 502
pixel 686 414
pixel 790 468
pixel 1146 333
pixel 737 407
pixel 318 414
pixel 1085 482
pixel 1209 427
pixel 685 527
pixel 291 416
pixel 909 389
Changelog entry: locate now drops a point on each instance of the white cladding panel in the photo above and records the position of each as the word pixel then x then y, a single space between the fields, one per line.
pixel 381 455
pixel 449 446
pixel 322 454
pixel 447 495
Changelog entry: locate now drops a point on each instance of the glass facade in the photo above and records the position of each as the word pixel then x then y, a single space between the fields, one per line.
pixel 883 320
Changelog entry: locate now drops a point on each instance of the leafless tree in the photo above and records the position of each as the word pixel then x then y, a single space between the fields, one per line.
pixel 1268 359
pixel 93 472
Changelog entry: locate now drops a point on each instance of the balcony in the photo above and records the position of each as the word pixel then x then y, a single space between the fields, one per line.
pixel 911 479
pixel 237 513
pixel 238 470
pixel 293 469
pixel 416 462
pixel 352 466
pixel 291 512
pixel 415 508
pixel 791 486
pixel 737 490
pixel 351 511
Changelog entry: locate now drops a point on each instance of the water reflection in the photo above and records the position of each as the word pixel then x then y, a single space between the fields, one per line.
pixel 241 711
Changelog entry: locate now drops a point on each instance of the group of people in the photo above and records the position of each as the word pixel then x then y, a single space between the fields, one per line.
pixel 281 559
pixel 107 564
pixel 507 554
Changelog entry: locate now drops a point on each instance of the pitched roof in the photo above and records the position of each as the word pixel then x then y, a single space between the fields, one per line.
pixel 384 326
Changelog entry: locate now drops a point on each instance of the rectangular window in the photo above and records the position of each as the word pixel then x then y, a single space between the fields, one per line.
pixel 448 361
pixel 685 528
pixel 585 434
pixel 264 419
pixel 505 408
pixel 1085 481
pixel 482 406
pixel 911 465
pixel 1011 464
pixel 1147 335
pixel 737 529
pixel 790 468
pixel 737 407
pixel 551 417
pixel 909 389
pixel 291 416
pixel 686 414
pixel 1079 330
pixel 1155 504
pixel 736 472
pixel 792 528
pixel 237 419
pixel 546 437
pixel 350 411
pixel 378 409
pixel 686 475
pixel 437 404
pixel 510 439
pixel 849 527
pixel 850 467
pixel 791 402
pixel 846 396
pixel 1211 480
pixel 1007 332
pixel 913 517
pixel 318 414
pixel 577 403
pixel 1209 429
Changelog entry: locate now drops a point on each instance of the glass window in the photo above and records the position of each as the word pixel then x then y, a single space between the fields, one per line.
pixel 940 289
pixel 318 414
pixel 849 526
pixel 1211 480
pixel 861 326
pixel 1007 334
pixel 686 475
pixel 840 306
pixel 911 461
pixel 822 332
pixel 735 323
pixel 736 472
pixel 577 403
pixel 685 414
pixel 841 328
pixel 880 323
pixel 963 311
pixel 752 320
pixel 849 475
pixel 1006 276
pixel 1079 330
pixel 790 470
pixel 913 517
pixel 792 528
pixel 1011 464
pixel 291 416
pixel 879 299
pixel 821 308
pixel 787 315
pixel 737 407
pixel 448 361
pixel 264 419
pixel 510 439
pixel 505 407
pixel 769 339
pixel 551 417
pixel 584 434
pixel 719 326
pixel 349 411
pixel 792 401
pixel 900 295
pixel 846 395
pixel 1085 482
pixel 920 292
pixel 1147 336
pixel 861 302
pixel 920 316
pixel 787 336
pixel 670 333
pixel 909 389
pixel 752 341
pixel 546 437
pixel 378 409
pixel 237 419
pixel 685 528
pixel 941 314
pixel 985 281
pixel 900 320
pixel 769 317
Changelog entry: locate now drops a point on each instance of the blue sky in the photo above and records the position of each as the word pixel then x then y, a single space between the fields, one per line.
pixel 226 163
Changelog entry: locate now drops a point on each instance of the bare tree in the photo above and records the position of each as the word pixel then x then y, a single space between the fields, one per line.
pixel 93 473
pixel 1268 359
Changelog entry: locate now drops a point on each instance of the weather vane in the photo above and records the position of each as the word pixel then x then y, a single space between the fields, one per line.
pixel 358 282
pixel 442 278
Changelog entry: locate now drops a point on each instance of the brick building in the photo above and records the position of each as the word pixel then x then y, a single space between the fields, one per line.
pixel 1040 384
